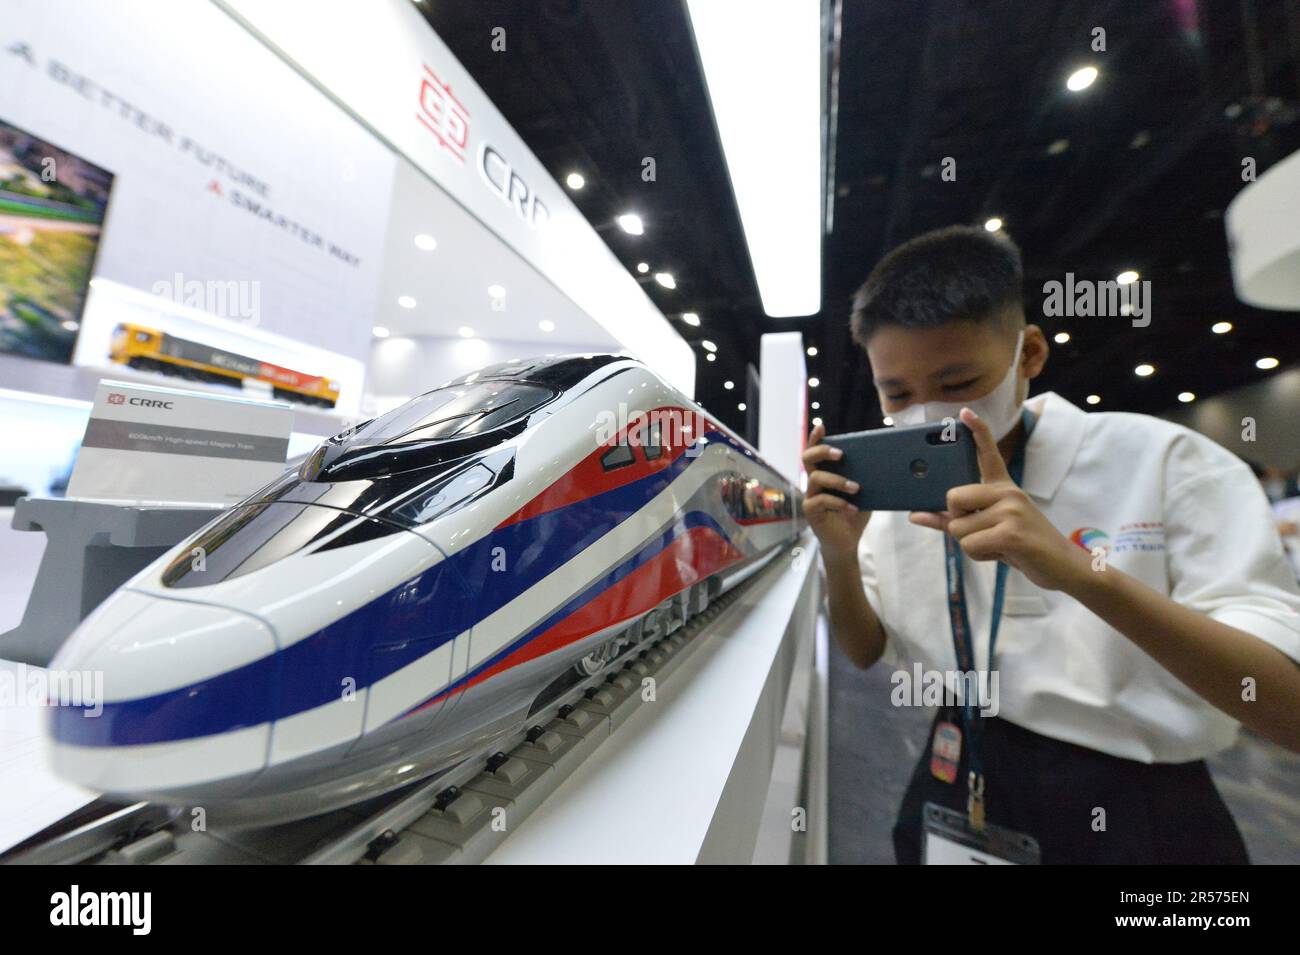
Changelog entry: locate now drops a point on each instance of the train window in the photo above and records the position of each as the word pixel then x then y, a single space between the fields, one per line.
pixel 455 411
pixel 619 456
pixel 652 447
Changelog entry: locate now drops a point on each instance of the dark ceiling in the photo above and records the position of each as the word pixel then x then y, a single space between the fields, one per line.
pixel 1134 172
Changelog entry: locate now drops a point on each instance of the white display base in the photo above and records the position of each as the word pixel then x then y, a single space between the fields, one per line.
pixel 688 778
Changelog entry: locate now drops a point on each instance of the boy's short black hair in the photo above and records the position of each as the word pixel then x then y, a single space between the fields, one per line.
pixel 960 273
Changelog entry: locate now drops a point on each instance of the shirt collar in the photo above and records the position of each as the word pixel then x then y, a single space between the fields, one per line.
pixel 1053 444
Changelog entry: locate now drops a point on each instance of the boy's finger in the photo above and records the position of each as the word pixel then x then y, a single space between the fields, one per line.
pixel 938 520
pixel 992 467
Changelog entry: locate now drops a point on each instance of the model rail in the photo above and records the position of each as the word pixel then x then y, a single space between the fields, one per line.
pixel 457 818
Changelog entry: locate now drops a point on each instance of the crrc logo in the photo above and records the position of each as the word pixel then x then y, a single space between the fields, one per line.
pixel 116 399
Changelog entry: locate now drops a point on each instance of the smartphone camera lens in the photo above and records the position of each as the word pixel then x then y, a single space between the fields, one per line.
pixel 919 468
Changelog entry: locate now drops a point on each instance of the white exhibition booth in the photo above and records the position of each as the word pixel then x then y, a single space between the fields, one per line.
pixel 387 230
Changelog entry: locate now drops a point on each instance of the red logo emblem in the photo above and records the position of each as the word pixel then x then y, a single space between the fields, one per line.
pixel 443 115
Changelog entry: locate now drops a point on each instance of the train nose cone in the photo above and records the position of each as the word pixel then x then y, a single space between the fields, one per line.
pixel 152 696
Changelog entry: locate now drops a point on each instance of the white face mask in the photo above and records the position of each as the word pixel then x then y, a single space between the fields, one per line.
pixel 999 408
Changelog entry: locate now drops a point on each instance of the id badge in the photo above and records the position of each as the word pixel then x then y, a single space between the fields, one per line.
pixel 945 751
pixel 947 839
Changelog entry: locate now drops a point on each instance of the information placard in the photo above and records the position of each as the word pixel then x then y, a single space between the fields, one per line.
pixel 166 446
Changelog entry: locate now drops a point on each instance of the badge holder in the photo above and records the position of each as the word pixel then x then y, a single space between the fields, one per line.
pixel 947 839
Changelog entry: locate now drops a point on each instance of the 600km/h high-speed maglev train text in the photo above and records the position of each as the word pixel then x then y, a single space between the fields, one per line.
pixel 410 593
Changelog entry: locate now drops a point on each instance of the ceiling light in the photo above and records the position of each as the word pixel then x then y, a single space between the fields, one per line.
pixel 1144 370
pixel 406 301
pixel 631 224
pixel 497 291
pixel 1058 146
pixel 1221 328
pixel 814 382
pixel 1186 396
pixel 889 422
pixel 708 345
pixel 575 181
pixel 546 325
pixel 1093 399
pixel 728 385
pixel 666 279
pixel 466 332
pixel 816 422
pixel 70 325
pixel 643 267
pixel 1127 277
pixel 1266 364
pixel 742 54
pixel 992 225
pixel 690 318
pixel 380 332
pixel 1061 338
pixel 741 406
pixel 710 357
pixel 1081 79
pixel 812 351
pixel 426 243
pixel 816 405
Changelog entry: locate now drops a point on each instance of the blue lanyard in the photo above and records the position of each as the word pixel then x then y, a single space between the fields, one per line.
pixel 960 620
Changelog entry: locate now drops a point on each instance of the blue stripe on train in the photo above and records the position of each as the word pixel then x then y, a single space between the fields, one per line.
pixel 361 645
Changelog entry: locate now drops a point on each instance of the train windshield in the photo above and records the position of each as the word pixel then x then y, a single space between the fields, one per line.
pixel 455 411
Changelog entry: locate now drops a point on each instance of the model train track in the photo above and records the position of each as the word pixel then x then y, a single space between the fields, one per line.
pixel 459 816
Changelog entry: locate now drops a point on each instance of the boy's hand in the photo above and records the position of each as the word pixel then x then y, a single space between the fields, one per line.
pixel 837 523
pixel 996 520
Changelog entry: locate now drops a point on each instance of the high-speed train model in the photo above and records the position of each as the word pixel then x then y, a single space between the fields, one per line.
pixel 407 596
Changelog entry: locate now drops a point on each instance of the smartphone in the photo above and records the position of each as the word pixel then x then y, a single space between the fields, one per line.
pixel 907 468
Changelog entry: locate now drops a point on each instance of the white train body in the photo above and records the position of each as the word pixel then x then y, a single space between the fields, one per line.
pixel 398 603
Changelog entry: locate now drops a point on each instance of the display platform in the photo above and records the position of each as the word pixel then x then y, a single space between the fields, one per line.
pixel 92 548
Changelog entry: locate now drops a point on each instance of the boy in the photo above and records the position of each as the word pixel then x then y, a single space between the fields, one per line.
pixel 1147 609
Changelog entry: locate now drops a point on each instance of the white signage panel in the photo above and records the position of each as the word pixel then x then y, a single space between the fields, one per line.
pixel 165 446
pixel 395 73
pixel 239 188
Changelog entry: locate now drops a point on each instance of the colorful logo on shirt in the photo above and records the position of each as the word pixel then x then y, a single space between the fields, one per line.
pixel 1089 538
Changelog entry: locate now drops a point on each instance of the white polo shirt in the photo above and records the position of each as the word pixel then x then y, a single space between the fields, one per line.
pixel 1173 509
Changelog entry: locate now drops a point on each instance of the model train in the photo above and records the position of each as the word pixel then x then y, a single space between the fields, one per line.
pixel 412 592
pixel 151 350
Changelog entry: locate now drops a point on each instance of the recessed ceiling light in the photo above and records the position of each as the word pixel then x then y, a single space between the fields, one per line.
pixel 1093 399
pixel 466 332
pixel 812 351
pixel 886 419
pixel 993 224
pixel 631 223
pixel 1144 370
pixel 710 357
pixel 497 291
pixel 728 385
pixel 406 301
pixel 1061 338
pixel 666 279
pixel 1127 277
pixel 741 406
pixel 708 345
pixel 1186 396
pixel 575 181
pixel 1081 79
pixel 1057 146
pixel 1221 328
pixel 643 267
pixel 546 325
pixel 425 242
pixel 1265 364
pixel 70 325
pixel 690 318
pixel 814 382
pixel 816 405
pixel 817 421
pixel 379 331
